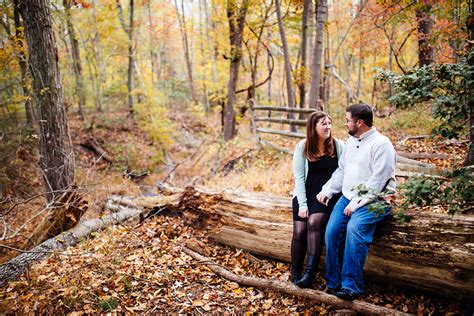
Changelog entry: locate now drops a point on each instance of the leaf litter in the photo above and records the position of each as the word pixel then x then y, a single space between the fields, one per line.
pixel 126 269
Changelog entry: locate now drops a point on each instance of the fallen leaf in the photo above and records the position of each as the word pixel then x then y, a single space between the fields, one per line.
pixel 198 303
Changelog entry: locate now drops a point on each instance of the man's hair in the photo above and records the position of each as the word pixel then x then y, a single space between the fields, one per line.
pixel 362 111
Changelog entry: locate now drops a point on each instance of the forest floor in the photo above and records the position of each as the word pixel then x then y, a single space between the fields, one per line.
pixel 134 267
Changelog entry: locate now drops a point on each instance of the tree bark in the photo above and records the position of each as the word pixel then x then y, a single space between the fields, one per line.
pixel 425 24
pixel 151 45
pixel 254 63
pixel 22 61
pixel 288 76
pixel 432 253
pixel 304 55
pixel 204 60
pixel 270 66
pixel 209 42
pixel 321 19
pixel 56 153
pixel 131 63
pixel 187 55
pixel 236 18
pixel 101 68
pixel 469 161
pixel 327 75
pixel 76 57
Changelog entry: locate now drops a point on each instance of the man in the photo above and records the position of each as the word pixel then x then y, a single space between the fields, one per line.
pixel 368 162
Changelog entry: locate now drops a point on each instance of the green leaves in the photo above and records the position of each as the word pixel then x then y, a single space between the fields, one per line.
pixel 444 86
pixel 454 192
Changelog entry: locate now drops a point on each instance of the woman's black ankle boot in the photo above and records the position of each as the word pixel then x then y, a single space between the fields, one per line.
pixel 310 272
pixel 296 269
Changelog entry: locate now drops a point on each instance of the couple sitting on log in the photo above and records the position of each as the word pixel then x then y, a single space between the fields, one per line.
pixel 328 174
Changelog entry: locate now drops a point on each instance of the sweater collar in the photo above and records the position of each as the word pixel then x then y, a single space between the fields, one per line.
pixel 367 134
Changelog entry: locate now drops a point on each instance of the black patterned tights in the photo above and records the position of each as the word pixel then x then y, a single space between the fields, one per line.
pixel 308 236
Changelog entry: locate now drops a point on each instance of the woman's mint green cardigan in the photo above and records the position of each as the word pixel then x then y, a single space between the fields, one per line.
pixel 300 170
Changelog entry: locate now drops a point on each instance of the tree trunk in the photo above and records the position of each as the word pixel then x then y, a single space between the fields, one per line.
pixel 187 56
pixel 131 64
pixel 321 19
pixel 470 82
pixel 236 17
pixel 254 63
pixel 425 24
pixel 76 57
pixel 304 56
pixel 289 81
pixel 359 72
pixel 56 153
pixel 209 41
pixel 432 253
pixel 19 36
pixel 269 87
pixel 327 75
pixel 390 60
pixel 151 45
pixel 203 58
pixel 101 68
pixel 311 33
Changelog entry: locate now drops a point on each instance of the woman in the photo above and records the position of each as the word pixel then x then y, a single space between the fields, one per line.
pixel 314 160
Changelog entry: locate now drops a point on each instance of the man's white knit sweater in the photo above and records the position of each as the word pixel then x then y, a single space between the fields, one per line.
pixel 369 161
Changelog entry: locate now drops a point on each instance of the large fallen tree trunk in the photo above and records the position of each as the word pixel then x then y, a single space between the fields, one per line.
pixel 432 253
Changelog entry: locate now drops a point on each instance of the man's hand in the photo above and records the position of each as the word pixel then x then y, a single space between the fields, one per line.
pixel 303 212
pixel 323 199
pixel 390 199
pixel 348 211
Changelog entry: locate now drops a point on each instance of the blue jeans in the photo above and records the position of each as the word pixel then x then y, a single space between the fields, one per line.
pixel 359 229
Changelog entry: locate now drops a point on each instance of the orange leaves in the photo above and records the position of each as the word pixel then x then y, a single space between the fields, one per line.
pixel 142 270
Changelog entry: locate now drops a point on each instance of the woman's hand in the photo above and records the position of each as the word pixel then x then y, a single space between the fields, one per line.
pixel 303 212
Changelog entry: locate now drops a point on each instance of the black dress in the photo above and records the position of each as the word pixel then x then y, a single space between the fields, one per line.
pixel 319 173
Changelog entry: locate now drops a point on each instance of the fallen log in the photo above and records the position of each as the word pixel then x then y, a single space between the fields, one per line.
pixel 92 144
pixel 289 288
pixel 432 253
pixel 15 267
pixel 423 155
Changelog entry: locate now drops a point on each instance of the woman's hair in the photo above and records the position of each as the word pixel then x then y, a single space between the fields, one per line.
pixel 311 150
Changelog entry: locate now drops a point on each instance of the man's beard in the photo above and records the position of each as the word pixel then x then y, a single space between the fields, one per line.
pixel 353 132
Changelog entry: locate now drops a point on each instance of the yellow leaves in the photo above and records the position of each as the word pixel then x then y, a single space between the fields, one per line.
pixel 26 297
pixel 238 293
pixel 267 304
